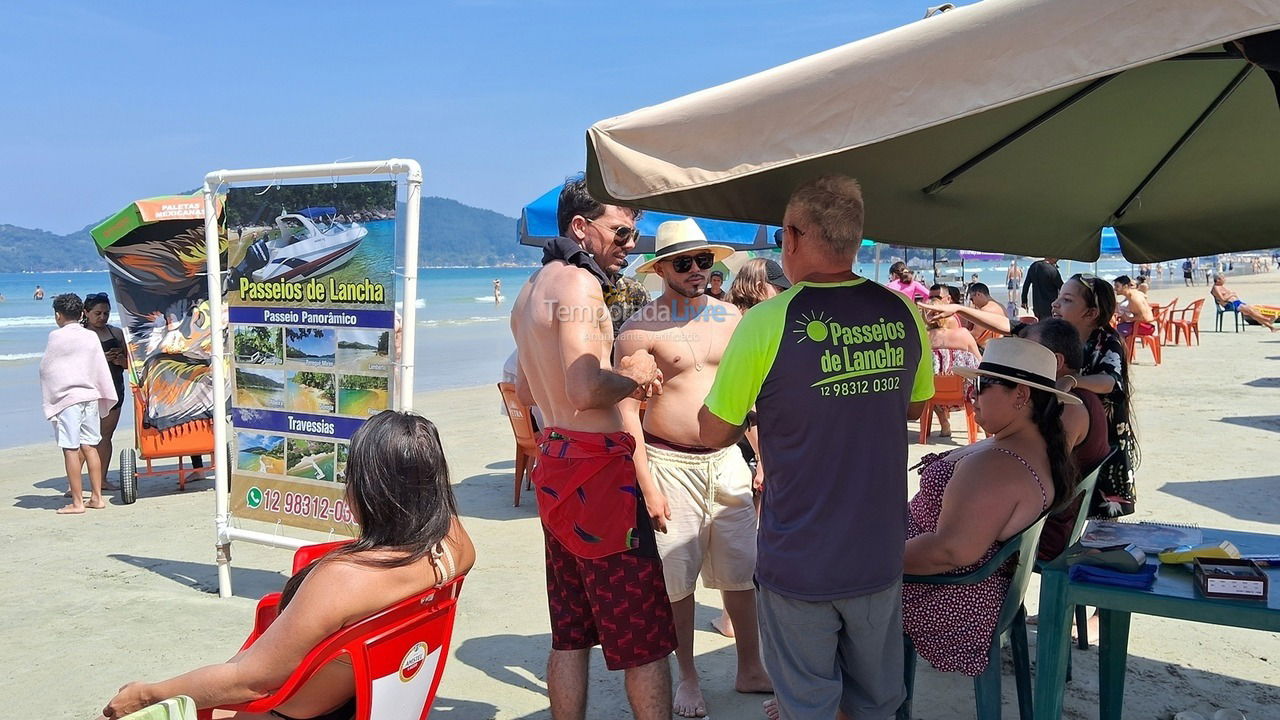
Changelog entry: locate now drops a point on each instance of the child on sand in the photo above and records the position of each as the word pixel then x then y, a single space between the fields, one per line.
pixel 77 388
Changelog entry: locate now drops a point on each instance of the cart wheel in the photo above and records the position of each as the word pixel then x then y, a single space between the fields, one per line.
pixel 128 476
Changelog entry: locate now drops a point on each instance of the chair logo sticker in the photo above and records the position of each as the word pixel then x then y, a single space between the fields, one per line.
pixel 413 661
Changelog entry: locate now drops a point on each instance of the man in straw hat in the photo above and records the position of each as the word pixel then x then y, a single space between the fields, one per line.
pixel 698 497
pixel 604 577
pixel 835 366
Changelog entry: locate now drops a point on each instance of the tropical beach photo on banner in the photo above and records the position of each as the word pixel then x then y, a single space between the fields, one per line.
pixel 311 299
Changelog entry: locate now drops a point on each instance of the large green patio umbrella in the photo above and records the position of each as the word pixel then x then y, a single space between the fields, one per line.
pixel 1021 126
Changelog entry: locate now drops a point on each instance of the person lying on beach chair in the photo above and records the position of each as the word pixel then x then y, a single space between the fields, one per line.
pixel 1228 299
pixel 410 540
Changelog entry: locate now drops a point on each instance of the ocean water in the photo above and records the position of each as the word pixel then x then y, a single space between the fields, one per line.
pixel 462 335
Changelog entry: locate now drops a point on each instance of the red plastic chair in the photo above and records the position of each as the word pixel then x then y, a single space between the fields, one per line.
pixel 1149 339
pixel 1190 325
pixel 521 417
pixel 948 391
pixel 397 655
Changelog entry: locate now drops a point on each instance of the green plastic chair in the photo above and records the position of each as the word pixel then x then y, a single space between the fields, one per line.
pixel 1012 623
pixel 1085 488
pixel 175 708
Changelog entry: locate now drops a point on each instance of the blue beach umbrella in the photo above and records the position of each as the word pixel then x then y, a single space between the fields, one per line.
pixel 537 224
pixel 1110 243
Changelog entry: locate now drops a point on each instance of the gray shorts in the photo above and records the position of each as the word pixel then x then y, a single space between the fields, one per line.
pixel 844 654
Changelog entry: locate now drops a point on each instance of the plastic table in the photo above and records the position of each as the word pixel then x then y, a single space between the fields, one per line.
pixel 1174 595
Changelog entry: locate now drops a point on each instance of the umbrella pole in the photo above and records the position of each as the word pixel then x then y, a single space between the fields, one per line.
pixel 877 262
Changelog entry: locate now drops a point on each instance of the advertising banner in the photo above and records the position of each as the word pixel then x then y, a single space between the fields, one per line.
pixel 311 304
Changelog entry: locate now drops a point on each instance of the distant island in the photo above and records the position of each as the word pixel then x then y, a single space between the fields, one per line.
pixel 451 235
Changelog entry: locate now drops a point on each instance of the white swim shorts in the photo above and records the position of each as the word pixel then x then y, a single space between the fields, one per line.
pixel 77 425
pixel 712 530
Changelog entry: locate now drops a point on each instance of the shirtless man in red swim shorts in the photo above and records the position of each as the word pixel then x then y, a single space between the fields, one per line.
pixel 604 578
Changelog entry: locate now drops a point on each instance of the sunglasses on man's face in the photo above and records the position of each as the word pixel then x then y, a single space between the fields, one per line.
pixel 622 234
pixel 684 263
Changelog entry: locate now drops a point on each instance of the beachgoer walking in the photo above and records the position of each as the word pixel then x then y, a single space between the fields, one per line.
pixel 497 291
pixel 97 311
pixel 1188 273
pixel 604 577
pixel 835 367
pixel 1228 299
pixel 1088 303
pixel 77 389
pixel 700 497
pixel 1013 279
pixel 38 294
pixel 715 287
pixel 1043 282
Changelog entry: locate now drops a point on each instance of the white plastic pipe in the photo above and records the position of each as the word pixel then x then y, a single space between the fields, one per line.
pixel 413 201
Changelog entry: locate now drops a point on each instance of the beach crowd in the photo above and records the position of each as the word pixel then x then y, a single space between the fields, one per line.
pixel 755 438
pixel 752 437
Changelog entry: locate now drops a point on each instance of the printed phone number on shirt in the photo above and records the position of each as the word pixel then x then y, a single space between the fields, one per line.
pixel 861 387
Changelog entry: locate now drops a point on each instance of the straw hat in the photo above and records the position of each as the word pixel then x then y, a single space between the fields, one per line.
pixel 1020 361
pixel 678 237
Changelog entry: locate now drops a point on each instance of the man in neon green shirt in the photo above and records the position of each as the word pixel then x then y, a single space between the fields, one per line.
pixel 835 367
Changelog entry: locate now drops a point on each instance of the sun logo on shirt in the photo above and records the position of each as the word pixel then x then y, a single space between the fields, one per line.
pixel 812 326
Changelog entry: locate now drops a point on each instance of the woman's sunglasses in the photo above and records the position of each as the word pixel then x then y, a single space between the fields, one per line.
pixel 96 296
pixel 684 263
pixel 981 383
pixel 622 234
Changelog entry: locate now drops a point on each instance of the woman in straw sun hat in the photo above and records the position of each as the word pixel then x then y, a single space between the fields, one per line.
pixel 974 497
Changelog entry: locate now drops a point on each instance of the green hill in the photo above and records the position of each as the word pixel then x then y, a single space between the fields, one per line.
pixel 450 234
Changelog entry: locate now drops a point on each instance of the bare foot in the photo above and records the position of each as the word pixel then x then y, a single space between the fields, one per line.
pixel 688 701
pixel 71 510
pixel 753 681
pixel 97 504
pixel 771 710
pixel 723 624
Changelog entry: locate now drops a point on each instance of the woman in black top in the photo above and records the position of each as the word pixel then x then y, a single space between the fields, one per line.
pixel 1088 303
pixel 97 310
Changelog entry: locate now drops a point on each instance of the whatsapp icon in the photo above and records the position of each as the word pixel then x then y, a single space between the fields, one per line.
pixel 254 497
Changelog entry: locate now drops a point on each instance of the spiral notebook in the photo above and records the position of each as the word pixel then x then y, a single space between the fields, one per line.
pixel 1152 537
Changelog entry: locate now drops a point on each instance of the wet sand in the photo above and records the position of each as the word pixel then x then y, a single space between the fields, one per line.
pixel 128 592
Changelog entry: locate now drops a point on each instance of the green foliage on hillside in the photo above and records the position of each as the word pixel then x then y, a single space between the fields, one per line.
pixel 23 249
pixel 450 234
pixel 457 234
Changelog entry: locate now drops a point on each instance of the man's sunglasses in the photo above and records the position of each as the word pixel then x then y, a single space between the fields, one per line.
pixel 684 263
pixel 781 232
pixel 622 234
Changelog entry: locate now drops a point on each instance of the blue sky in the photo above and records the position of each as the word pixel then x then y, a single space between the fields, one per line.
pixel 110 102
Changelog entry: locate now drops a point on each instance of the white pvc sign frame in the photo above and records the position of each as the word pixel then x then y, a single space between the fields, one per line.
pixel 412 173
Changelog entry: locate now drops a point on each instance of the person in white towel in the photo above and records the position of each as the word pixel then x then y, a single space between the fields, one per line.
pixel 76 387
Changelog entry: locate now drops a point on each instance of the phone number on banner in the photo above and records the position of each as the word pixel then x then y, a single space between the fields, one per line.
pixel 317 507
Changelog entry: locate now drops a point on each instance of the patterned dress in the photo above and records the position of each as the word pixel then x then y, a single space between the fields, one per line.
pixel 951 625
pixel 1117 492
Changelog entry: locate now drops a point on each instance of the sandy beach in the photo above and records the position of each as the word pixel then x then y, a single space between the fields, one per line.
pixel 129 592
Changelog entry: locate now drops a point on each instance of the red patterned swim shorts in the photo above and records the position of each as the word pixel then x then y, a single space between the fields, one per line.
pixel 618 602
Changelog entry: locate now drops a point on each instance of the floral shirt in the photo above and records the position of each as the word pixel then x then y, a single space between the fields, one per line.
pixel 1117 491
pixel 625 298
